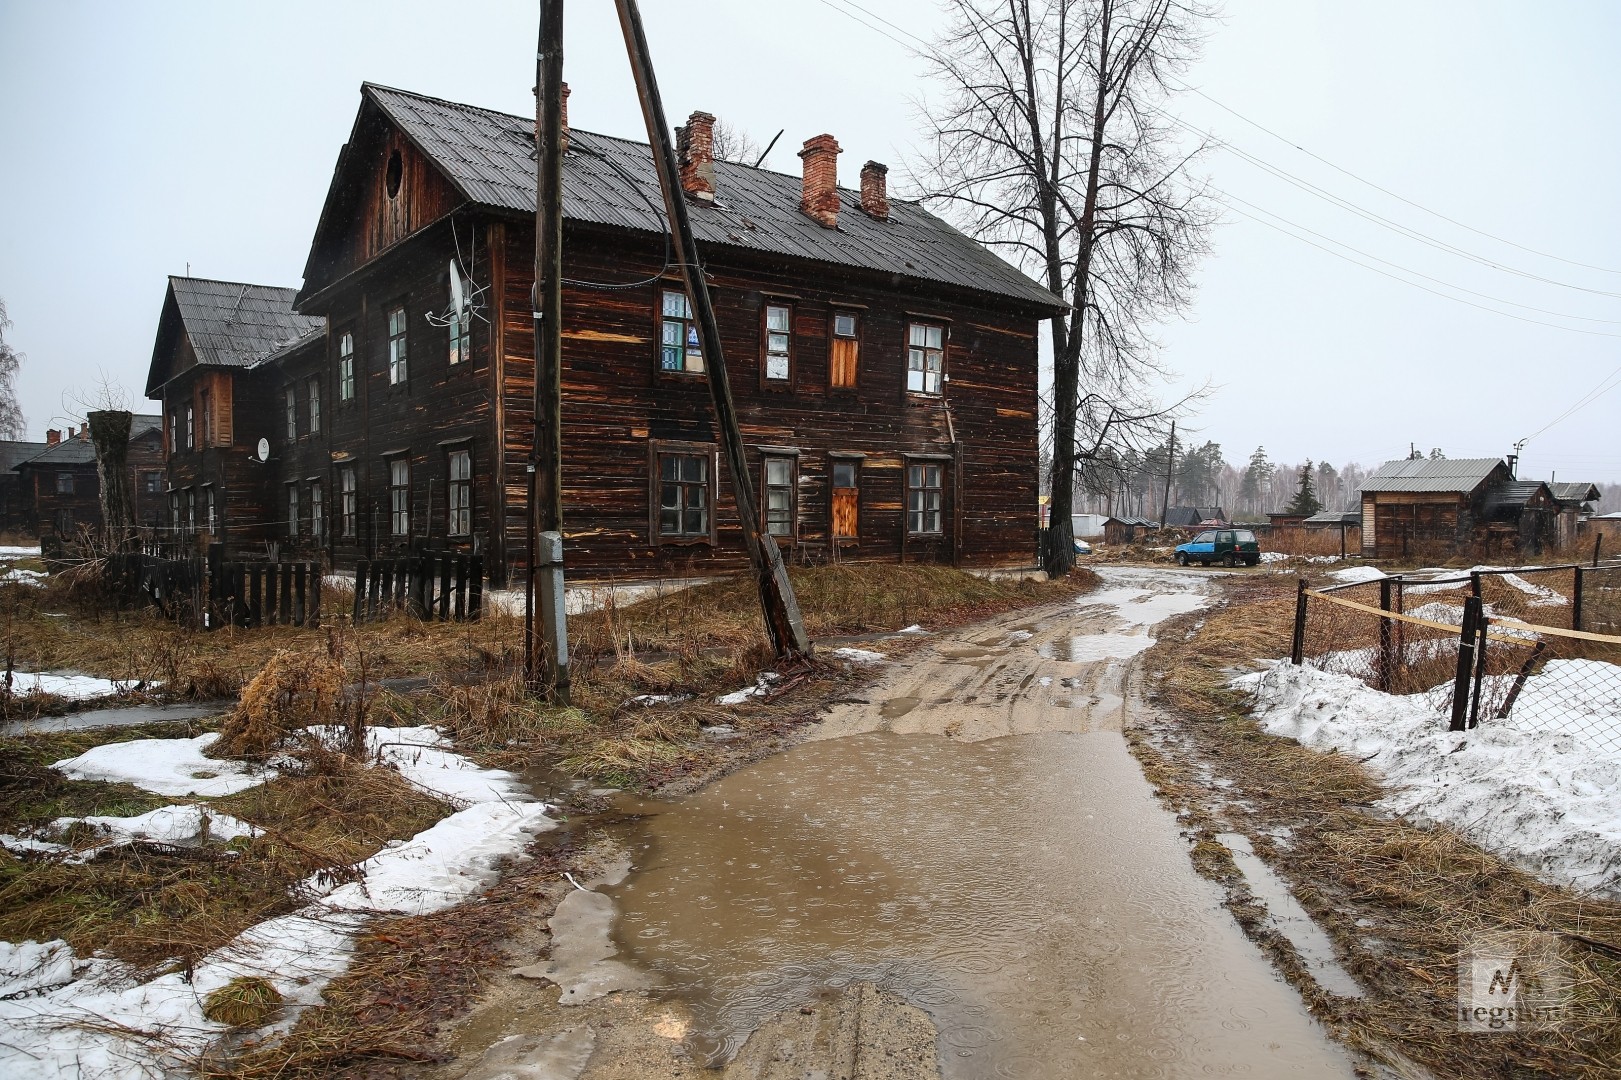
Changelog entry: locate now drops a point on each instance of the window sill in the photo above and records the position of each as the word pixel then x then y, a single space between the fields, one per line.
pixel 683 541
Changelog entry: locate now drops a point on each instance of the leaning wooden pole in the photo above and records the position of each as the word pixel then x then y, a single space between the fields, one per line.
pixel 545 625
pixel 782 620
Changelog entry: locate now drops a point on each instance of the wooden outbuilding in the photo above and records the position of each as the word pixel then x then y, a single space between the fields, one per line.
pixel 1441 507
pixel 1127 530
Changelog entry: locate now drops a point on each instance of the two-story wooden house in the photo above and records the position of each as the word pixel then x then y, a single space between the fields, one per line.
pixel 884 365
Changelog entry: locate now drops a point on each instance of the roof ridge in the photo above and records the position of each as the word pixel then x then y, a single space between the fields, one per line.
pixel 222 281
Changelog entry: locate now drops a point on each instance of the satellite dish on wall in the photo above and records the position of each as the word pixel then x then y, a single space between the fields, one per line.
pixel 458 296
pixel 264 449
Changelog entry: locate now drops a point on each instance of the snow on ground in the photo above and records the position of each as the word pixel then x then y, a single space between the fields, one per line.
pixel 166 824
pixel 1548 800
pixel 72 687
pixel 1352 574
pixel 92 1018
pixel 19 576
pixel 164 767
pixel 9 552
pixel 762 686
pixel 864 656
pixel 1274 556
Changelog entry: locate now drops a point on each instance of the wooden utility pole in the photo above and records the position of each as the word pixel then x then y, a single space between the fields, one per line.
pixel 545 624
pixel 782 620
pixel 1170 459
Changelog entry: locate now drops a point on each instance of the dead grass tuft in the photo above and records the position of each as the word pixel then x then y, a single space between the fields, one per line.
pixel 246 1001
pixel 294 691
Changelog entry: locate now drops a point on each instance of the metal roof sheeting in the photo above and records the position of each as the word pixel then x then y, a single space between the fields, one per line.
pixel 1431 474
pixel 234 324
pixel 489 156
pixel 1574 491
pixel 81 451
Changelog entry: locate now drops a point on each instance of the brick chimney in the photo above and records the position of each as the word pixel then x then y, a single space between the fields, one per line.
pixel 695 151
pixel 875 190
pixel 821 186
pixel 52 437
pixel 536 91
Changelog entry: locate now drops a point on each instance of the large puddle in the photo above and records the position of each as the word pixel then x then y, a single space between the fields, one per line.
pixel 1029 893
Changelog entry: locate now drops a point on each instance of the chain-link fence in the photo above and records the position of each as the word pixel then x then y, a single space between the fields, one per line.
pixel 1510 646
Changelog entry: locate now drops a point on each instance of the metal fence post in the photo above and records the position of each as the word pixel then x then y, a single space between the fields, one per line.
pixel 1576 601
pixel 1466 663
pixel 1297 649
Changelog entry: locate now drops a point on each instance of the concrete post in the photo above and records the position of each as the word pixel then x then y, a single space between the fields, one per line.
pixel 550 613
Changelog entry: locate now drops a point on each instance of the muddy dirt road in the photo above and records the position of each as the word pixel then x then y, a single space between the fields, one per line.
pixel 963 875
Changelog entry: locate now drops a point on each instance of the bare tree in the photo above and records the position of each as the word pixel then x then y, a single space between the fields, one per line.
pixel 732 143
pixel 12 424
pixel 1049 145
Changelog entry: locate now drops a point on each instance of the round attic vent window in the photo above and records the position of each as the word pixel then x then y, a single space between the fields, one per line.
pixel 396 169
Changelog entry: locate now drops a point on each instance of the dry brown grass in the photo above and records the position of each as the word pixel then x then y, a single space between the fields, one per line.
pixel 246 1001
pixel 294 690
pixel 1398 900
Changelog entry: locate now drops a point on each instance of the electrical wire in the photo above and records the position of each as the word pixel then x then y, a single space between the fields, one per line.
pixel 1608 383
pixel 1394 195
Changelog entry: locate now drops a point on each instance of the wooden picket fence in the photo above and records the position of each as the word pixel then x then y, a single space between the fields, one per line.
pixel 433 586
pixel 265 594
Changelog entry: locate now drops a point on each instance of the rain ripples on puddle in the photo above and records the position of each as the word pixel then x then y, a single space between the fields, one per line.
pixel 1028 893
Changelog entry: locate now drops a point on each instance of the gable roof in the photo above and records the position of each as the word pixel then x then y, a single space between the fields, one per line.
pixel 1335 517
pixel 1193 515
pixel 1575 491
pixel 1431 474
pixel 77 451
pixel 488 157
pixel 1507 499
pixel 15 451
pixel 229 323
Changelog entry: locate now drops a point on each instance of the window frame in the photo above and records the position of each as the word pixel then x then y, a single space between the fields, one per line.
pixel 290 395
pixel 348 503
pixel 317 511
pixel 939 488
pixel 191 427
pixel 767 459
pixel 312 397
pixel 209 508
pixel 399 497
pixel 689 330
pixel 459 340
pixel 924 324
pixel 462 486
pixel 64 483
pixel 789 357
pixel 346 366
pixel 657 450
pixel 833 336
pixel 295 527
pixel 399 345
pixel 854 462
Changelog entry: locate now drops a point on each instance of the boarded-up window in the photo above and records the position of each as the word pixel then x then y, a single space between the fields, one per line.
pixel 925 358
pixel 846 498
pixel 780 503
pixel 679 349
pixel 923 499
pixel 778 342
pixel 845 356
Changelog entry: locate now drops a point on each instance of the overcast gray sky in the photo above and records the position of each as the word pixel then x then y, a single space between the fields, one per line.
pixel 138 139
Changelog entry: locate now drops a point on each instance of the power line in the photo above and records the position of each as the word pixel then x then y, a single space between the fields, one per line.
pixel 1608 383
pixel 1425 288
pixel 1394 195
pixel 1226 196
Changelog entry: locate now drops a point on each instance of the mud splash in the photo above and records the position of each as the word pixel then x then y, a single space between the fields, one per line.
pixel 1029 894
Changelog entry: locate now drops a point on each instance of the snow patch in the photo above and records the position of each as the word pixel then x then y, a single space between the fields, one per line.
pixel 1353 574
pixel 1274 556
pixel 1547 799
pixel 862 656
pixel 72 687
pixel 164 767
pixel 762 686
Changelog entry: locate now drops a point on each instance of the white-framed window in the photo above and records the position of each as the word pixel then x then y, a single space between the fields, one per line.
pixel 292 510
pixel 346 366
pixel 461 339
pixel 925 358
pixel 348 502
pixel 679 347
pixel 314 391
pixel 923 493
pixel 459 506
pixel 191 428
pixel 317 512
pixel 780 502
pixel 396 346
pixel 291 397
pixel 209 521
pixel 399 496
pixel 779 320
